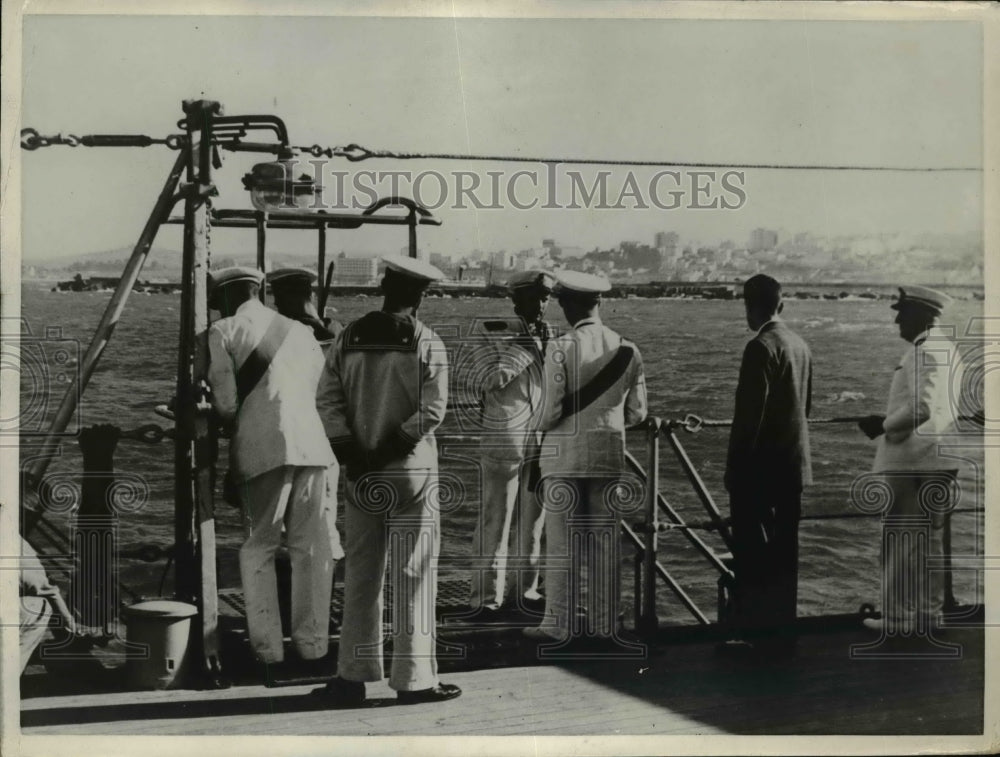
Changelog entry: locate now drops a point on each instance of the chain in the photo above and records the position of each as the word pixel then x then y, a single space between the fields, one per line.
pixel 208 233
pixel 32 140
pixel 355 153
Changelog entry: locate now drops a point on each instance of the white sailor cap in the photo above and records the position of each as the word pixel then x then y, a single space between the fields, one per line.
pixel 923 296
pixel 412 268
pixel 577 282
pixel 287 274
pixel 222 276
pixel 533 277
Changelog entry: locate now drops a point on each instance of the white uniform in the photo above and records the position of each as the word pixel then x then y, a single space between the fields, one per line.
pixel 278 457
pixel 511 414
pixel 387 378
pixel 589 448
pixel 921 410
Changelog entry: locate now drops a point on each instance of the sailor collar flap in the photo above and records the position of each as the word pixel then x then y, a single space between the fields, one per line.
pixel 382 331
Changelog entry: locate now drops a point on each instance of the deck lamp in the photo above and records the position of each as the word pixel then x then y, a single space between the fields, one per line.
pixel 273 188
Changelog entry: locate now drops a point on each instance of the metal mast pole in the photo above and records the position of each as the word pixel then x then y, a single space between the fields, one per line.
pixel 195 440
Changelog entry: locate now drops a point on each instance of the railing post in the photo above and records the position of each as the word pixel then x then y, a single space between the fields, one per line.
pixel 262 250
pixel 649 623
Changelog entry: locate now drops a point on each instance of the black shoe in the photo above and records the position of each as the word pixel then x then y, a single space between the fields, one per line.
pixel 531 606
pixel 438 693
pixel 339 693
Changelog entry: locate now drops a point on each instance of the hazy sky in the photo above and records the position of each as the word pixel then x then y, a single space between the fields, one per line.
pixel 906 94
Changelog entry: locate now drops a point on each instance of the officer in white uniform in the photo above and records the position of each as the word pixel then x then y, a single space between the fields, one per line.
pixel 292 289
pixel 384 391
pixel 921 412
pixel 512 399
pixel 594 388
pixel 264 372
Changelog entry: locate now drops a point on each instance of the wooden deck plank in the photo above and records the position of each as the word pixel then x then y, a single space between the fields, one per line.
pixel 681 689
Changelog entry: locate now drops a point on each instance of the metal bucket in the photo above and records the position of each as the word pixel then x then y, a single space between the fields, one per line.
pixel 164 627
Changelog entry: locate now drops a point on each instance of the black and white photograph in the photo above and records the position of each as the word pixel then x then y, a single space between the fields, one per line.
pixel 544 378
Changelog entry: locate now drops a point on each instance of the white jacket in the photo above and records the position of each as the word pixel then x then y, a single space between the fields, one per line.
pixel 277 424
pixel 512 396
pixel 593 439
pixel 922 410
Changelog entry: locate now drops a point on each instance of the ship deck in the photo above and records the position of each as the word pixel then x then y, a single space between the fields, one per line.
pixel 676 687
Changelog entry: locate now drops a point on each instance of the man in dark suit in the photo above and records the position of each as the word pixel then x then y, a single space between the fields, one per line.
pixel 767 465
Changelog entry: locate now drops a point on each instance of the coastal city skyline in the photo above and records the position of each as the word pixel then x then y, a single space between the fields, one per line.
pixel 660 91
pixel 800 257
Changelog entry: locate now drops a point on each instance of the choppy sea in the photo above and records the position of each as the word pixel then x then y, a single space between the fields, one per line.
pixel 691 350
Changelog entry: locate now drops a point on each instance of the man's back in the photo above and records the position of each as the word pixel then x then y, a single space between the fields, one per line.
pixel 276 423
pixel 769 442
pixel 589 439
pixel 387 375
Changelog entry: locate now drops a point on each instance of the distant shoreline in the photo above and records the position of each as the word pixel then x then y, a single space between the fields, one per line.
pixel 850 291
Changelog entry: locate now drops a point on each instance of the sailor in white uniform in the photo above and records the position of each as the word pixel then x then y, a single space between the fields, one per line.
pixel 384 391
pixel 922 410
pixel 511 510
pixel 292 289
pixel 594 388
pixel 264 372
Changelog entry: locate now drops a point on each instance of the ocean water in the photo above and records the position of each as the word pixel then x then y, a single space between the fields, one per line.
pixel 691 351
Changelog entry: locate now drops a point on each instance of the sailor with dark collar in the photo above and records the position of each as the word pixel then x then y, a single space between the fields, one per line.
pixel 292 289
pixel 383 394
pixel 264 372
pixel 511 519
pixel 594 388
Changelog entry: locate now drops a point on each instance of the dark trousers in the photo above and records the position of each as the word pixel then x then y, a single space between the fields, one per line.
pixel 766 556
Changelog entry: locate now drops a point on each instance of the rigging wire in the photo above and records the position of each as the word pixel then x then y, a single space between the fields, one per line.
pixel 353 152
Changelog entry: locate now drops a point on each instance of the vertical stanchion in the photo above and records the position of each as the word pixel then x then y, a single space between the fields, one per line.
pixel 261 217
pixel 649 622
pixel 321 257
pixel 411 221
pixel 950 603
pixel 196 438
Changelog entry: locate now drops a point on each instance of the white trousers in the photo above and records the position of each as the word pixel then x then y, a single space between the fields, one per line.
pixel 391 516
pixel 509 526
pixel 330 510
pixel 581 558
pixel 292 496
pixel 913 535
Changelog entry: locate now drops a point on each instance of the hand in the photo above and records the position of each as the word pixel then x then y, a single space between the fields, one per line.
pixel 872 426
pixel 395 447
pixel 351 458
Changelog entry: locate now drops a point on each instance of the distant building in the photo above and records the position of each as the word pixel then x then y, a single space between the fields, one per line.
pixel 502 261
pixel 356 271
pixel 762 239
pixel 421 253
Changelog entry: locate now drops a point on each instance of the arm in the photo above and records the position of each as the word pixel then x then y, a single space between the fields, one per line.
pixel 221 376
pixel 331 404
pixel 635 401
pixel 433 397
pixel 509 362
pixel 751 396
pixel 809 386
pixel 926 370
